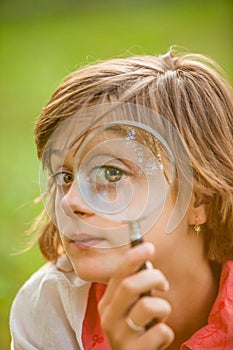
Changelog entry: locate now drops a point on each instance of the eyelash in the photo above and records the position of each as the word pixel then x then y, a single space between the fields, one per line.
pixel 60 176
pixel 107 171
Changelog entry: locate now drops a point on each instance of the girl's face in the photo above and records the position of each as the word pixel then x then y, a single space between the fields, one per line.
pixel 95 243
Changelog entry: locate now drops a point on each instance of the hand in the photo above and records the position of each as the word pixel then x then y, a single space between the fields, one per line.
pixel 122 303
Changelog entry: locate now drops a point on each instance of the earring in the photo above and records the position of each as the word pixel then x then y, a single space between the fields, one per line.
pixel 197 227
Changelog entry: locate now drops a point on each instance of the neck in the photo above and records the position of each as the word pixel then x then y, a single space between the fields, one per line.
pixel 192 300
pixel 193 290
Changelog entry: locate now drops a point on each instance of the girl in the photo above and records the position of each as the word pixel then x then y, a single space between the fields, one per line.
pixel 90 297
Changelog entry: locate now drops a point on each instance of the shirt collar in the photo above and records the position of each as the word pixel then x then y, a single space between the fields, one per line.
pixel 218 333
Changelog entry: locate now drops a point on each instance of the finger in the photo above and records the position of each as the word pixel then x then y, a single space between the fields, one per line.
pixel 148 308
pixel 158 337
pixel 133 259
pixel 144 281
pixel 129 290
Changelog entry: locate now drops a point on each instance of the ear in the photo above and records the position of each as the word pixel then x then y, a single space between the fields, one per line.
pixel 198 211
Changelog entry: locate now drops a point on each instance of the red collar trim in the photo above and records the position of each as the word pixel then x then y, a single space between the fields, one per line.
pixel 93 337
pixel 218 334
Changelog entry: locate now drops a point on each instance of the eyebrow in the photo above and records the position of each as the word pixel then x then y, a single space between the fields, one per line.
pixel 62 152
pixel 54 155
pixel 57 151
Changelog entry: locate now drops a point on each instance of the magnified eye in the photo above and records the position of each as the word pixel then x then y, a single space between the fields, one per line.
pixel 106 174
pixel 63 178
pixel 113 174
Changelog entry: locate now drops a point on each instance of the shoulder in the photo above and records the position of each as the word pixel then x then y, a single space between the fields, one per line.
pixel 53 298
pixel 50 284
pixel 50 279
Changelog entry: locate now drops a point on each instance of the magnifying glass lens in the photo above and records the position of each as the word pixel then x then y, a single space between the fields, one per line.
pixel 120 172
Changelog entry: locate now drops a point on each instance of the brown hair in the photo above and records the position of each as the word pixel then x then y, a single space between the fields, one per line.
pixel 189 91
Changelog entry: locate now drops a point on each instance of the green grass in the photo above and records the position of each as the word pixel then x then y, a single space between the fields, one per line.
pixel 36 53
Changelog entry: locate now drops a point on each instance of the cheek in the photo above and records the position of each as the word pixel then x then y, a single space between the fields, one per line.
pixel 52 208
pixel 158 228
pixel 59 213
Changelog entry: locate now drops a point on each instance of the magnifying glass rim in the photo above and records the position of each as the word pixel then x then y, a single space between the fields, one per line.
pixel 108 126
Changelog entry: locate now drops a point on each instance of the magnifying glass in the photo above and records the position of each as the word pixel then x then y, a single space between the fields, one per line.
pixel 124 172
pixel 125 159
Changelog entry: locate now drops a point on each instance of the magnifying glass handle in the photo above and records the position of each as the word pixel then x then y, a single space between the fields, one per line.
pixel 144 266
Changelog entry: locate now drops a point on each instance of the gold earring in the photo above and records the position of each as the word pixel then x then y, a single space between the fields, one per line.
pixel 197 227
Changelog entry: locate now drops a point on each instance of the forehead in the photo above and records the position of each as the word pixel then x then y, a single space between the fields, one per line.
pixel 117 139
pixel 83 121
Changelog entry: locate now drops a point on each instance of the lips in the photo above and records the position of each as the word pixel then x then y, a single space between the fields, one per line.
pixel 83 240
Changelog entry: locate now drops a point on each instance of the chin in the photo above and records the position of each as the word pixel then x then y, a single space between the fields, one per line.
pixel 94 265
pixel 92 270
pixel 92 275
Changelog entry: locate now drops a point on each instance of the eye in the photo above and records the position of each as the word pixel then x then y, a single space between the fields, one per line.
pixel 113 174
pixel 62 178
pixel 106 174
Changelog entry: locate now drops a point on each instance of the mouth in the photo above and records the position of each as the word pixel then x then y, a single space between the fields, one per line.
pixel 86 241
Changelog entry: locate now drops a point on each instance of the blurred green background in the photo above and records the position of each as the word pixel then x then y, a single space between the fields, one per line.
pixel 41 42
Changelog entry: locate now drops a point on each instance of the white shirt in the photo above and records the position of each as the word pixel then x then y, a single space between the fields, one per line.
pixel 48 311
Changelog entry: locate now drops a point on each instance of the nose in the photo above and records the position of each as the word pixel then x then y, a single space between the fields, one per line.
pixel 73 203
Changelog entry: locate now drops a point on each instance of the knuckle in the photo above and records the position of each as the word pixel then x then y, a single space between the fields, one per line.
pixel 167 307
pixel 160 308
pixel 158 273
pixel 144 304
pixel 127 286
pixel 159 276
pixel 165 332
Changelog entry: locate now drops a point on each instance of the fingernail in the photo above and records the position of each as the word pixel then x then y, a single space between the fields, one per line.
pixel 166 286
pixel 149 265
pixel 146 248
